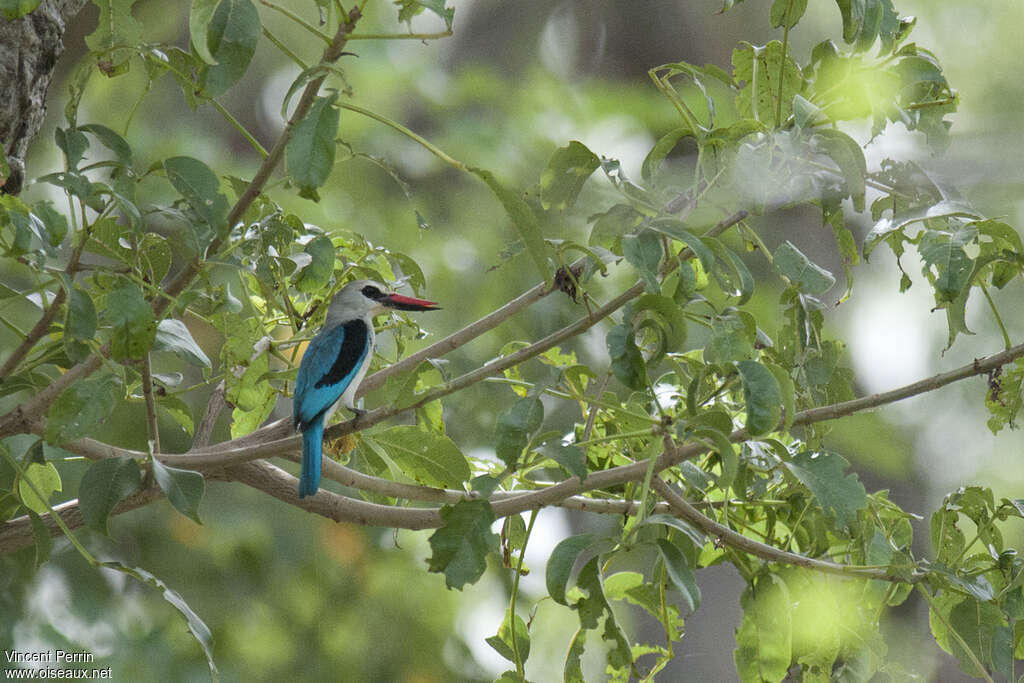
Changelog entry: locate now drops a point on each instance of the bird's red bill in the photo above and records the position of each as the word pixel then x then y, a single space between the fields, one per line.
pixel 409 303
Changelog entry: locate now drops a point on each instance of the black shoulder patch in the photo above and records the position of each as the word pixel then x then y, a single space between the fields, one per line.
pixel 350 355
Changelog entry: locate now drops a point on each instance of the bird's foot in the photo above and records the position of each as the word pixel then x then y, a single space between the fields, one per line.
pixel 358 412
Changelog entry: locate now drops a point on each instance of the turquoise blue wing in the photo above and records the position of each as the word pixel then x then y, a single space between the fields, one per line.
pixel 329 365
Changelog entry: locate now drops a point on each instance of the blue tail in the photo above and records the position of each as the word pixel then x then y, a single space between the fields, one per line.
pixel 312 447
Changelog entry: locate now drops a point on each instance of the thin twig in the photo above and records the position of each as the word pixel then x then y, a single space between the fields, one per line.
pixel 147 393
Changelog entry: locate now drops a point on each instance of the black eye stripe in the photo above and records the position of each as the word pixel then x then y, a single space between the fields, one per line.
pixel 371 292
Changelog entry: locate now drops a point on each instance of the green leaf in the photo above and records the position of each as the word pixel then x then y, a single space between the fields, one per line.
pixel 524 220
pixel 72 143
pixel 786 13
pixel 764 639
pixel 573 670
pixel 515 426
pixel 610 226
pixel 680 573
pixel 788 389
pixel 199 19
pixel 627 361
pixel 196 626
pixel 760 67
pixel 116 28
pixel 200 188
pixel 316 275
pixel 80 323
pixel 502 643
pixel 565 174
pixel 172 335
pixel 180 411
pixel 807 276
pixel 37 485
pixel 643 250
pixel 105 484
pixel 112 140
pixel 43 540
pixel 407 9
pixel 428 457
pixel 184 488
pixel 231 38
pixel 849 157
pixel 569 456
pixel 665 144
pixel 54 222
pixel 866 20
pixel 460 547
pixel 732 338
pixel 981 627
pixel 561 562
pixel 15 9
pixel 676 229
pixel 902 219
pixel 81 408
pixel 132 321
pixel 593 606
pixel 763 397
pixel 695 536
pixel 663 315
pixel 741 281
pixel 726 452
pixel 837 494
pixel 309 155
pixel 944 252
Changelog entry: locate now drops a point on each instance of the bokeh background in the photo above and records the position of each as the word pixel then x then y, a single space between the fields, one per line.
pixel 291 596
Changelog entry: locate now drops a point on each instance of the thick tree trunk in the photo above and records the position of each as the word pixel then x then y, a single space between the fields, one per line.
pixel 29 49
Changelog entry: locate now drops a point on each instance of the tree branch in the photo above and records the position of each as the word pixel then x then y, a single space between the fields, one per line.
pixel 736 540
pixel 213 408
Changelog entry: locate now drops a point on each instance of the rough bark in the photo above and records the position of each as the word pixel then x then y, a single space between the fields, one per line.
pixel 29 49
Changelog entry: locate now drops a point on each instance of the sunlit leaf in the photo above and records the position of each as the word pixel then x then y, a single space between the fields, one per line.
pixel 37 485
pixel 428 457
pixel 764 639
pixel 15 9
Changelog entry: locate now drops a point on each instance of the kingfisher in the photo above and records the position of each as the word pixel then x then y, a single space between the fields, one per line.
pixel 336 362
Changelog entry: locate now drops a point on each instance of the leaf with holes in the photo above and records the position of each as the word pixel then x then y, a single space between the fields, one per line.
pixel 460 547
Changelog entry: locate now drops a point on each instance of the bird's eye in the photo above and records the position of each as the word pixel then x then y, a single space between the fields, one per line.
pixel 371 292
